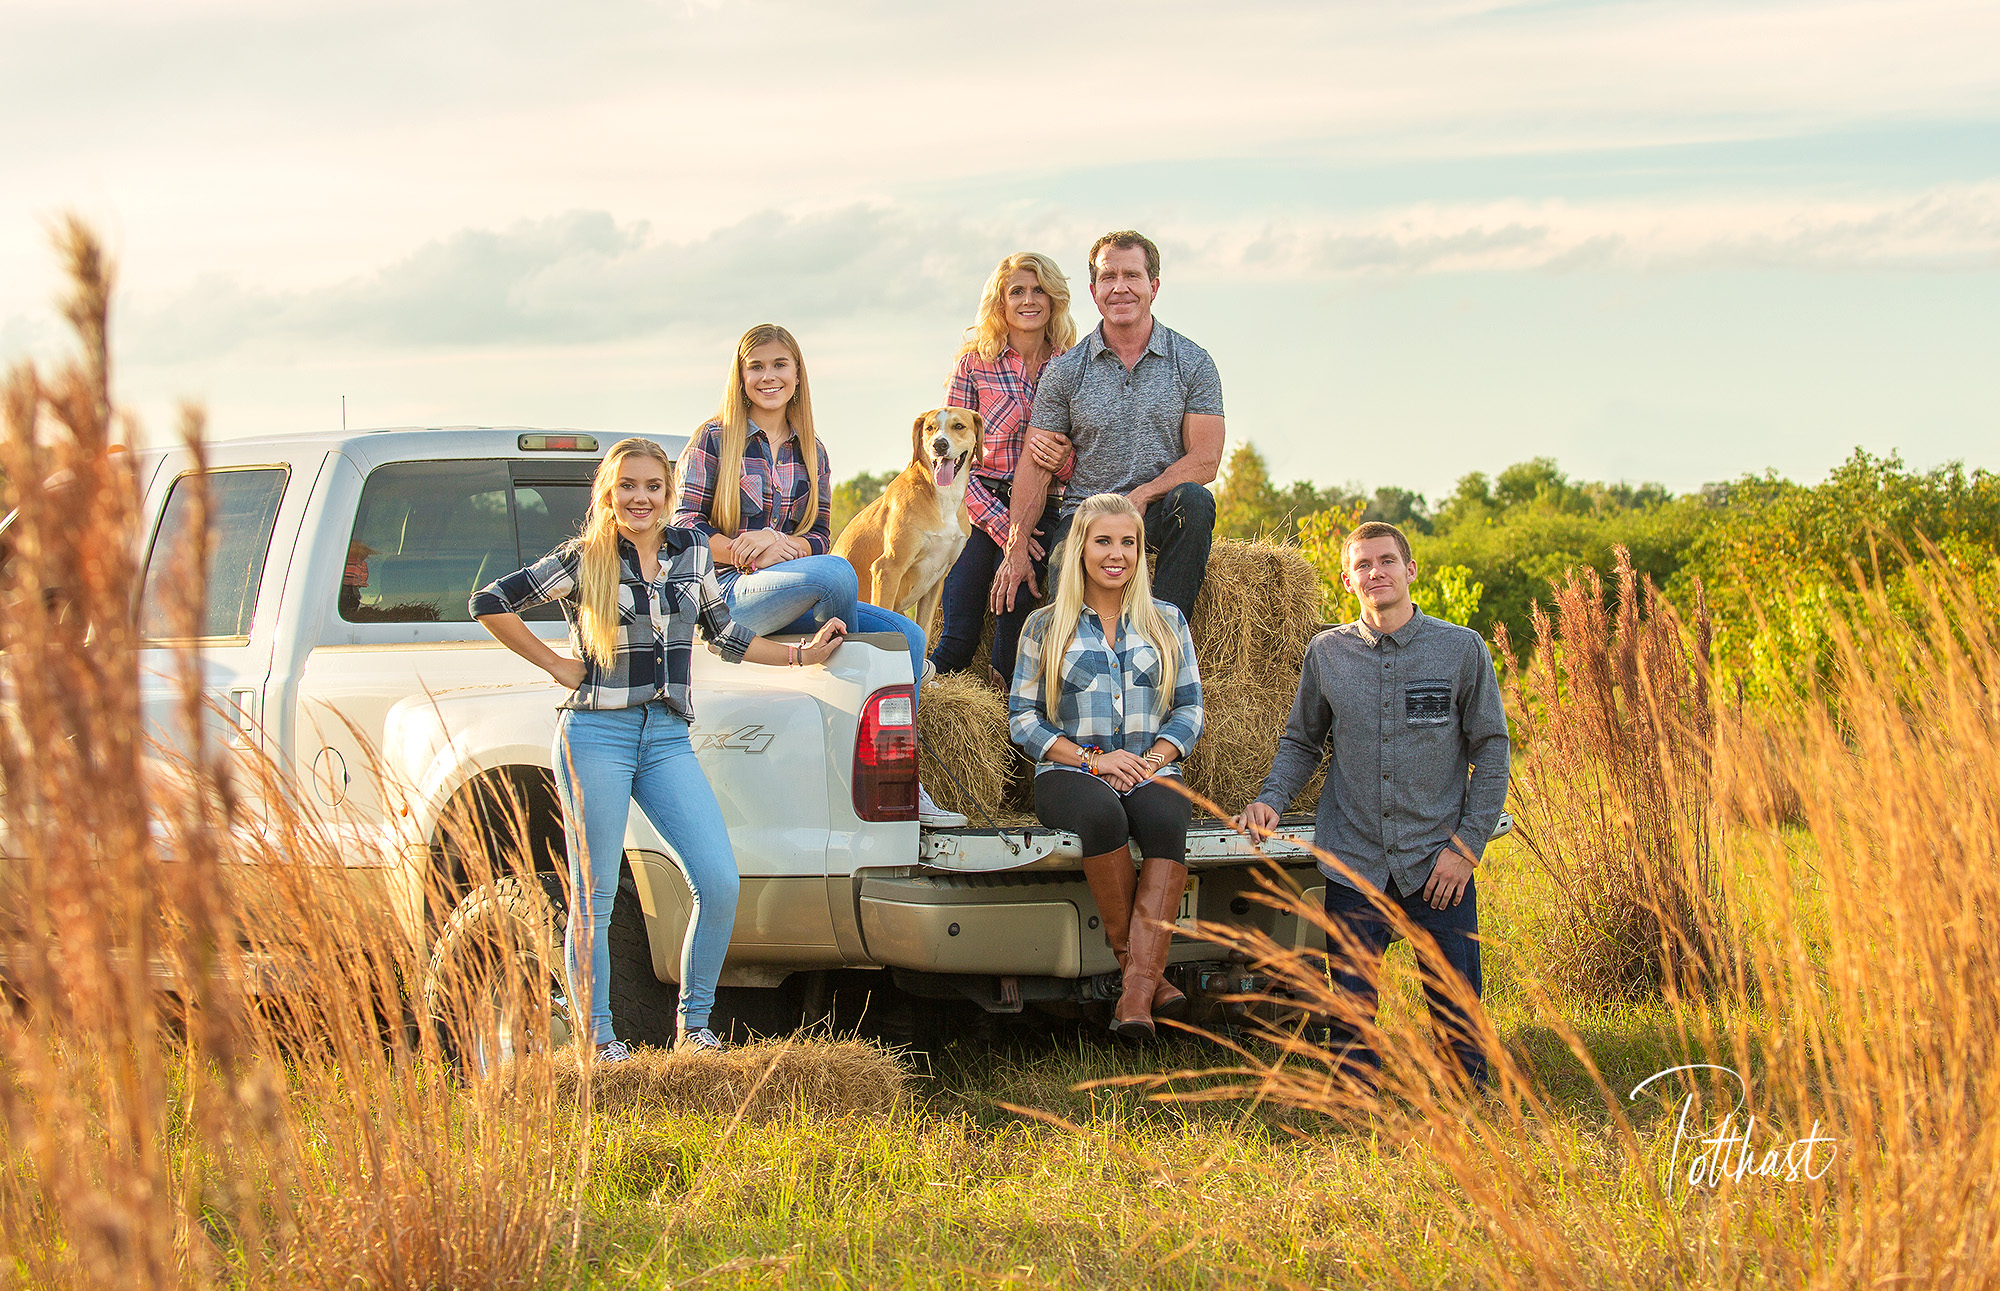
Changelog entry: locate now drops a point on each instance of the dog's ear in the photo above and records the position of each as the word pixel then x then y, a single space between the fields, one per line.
pixel 917 437
pixel 978 440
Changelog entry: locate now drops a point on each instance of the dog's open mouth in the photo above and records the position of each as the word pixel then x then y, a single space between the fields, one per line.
pixel 946 470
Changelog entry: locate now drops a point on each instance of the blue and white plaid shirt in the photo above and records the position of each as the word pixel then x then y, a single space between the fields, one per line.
pixel 1108 698
pixel 656 645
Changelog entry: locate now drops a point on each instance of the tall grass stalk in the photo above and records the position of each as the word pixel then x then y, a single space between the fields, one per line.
pixel 1615 801
pixel 215 1070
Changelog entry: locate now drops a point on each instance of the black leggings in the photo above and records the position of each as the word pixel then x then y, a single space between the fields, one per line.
pixel 1103 819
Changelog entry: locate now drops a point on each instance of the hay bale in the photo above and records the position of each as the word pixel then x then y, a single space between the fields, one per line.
pixel 1260 606
pixel 763 1080
pixel 965 759
pixel 1244 719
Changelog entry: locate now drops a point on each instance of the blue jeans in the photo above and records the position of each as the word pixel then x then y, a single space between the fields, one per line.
pixel 799 595
pixel 962 611
pixel 604 761
pixel 1456 932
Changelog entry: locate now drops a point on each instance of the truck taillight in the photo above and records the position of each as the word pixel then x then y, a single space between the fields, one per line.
pixel 885 757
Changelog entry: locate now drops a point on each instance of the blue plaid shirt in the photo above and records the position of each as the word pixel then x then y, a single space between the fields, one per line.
pixel 656 644
pixel 1108 698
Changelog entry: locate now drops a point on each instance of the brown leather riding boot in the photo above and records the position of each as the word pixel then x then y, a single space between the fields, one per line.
pixel 1168 1000
pixel 1154 905
pixel 1112 881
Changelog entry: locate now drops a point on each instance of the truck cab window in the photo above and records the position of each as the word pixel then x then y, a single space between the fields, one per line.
pixel 243 510
pixel 427 534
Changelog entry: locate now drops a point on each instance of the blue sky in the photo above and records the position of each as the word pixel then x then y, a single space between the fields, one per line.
pixel 1673 242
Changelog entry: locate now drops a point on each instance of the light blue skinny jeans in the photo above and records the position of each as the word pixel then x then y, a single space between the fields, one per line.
pixel 799 595
pixel 604 761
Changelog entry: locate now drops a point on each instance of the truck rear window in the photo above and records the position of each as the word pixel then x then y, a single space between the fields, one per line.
pixel 243 509
pixel 426 534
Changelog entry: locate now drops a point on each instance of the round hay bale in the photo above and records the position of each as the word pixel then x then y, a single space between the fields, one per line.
pixel 965 758
pixel 1260 605
pixel 1243 720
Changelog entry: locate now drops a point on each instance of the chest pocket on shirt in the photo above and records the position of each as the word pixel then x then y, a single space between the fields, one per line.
pixel 682 597
pixel 1143 666
pixel 1427 702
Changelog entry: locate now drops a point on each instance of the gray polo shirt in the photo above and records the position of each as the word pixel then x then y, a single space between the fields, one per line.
pixel 1409 715
pixel 1125 424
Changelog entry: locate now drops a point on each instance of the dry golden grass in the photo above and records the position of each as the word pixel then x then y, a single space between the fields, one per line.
pixel 1617 801
pixel 211 1072
pixel 821 1077
pixel 1855 998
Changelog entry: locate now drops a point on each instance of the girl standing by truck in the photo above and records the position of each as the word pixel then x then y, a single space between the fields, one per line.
pixel 634 590
pixel 1107 699
pixel 757 486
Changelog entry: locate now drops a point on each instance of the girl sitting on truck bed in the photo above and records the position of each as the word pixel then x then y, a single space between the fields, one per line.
pixel 757 486
pixel 634 590
pixel 1107 699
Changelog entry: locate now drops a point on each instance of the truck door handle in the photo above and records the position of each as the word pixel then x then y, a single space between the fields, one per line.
pixel 243 716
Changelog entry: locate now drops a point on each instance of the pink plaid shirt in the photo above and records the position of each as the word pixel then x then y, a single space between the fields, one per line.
pixel 1000 392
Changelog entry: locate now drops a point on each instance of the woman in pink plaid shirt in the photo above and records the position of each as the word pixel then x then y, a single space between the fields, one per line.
pixel 1024 321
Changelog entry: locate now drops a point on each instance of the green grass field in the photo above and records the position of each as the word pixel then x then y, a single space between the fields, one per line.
pixel 1004 1168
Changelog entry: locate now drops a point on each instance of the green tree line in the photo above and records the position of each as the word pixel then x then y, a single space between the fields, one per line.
pixel 1777 559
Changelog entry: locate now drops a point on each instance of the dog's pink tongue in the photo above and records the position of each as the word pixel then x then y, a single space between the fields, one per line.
pixel 944 473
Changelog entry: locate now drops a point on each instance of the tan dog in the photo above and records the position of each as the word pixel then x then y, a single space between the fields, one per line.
pixel 905 542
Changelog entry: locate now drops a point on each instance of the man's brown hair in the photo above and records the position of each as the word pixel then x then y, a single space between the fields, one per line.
pixel 1125 240
pixel 1376 529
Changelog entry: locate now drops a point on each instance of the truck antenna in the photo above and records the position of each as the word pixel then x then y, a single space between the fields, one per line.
pixel 343 414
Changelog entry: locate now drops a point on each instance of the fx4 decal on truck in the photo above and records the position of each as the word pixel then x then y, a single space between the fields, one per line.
pixel 744 739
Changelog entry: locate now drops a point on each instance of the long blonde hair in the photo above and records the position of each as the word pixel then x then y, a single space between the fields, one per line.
pixel 988 336
pixel 1138 610
pixel 597 572
pixel 725 510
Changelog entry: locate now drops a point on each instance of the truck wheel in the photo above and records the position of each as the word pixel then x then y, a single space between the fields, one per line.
pixel 494 985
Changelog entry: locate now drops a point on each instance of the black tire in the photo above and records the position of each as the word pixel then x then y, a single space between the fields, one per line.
pixel 495 976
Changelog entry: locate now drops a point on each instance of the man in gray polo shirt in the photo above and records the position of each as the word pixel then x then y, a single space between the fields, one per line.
pixel 1418 780
pixel 1141 407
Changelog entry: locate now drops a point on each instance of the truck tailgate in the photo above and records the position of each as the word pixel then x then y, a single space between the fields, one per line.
pixel 969 850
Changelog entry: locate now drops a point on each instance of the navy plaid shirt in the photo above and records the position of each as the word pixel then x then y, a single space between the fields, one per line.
pixel 656 643
pixel 775 487
pixel 1111 699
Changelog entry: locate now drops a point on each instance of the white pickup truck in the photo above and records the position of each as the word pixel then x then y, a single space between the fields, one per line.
pixel 336 619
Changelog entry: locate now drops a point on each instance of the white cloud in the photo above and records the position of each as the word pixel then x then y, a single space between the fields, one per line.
pixel 1944 228
pixel 585 278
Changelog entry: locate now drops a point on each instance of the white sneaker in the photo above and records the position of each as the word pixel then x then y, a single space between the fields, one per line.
pixel 930 674
pixel 936 817
pixel 614 1052
pixel 701 1040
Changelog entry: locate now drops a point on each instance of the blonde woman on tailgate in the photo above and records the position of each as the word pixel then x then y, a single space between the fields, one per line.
pixel 757 486
pixel 635 591
pixel 1107 700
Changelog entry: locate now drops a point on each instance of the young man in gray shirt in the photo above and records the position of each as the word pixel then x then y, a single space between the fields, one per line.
pixel 1418 779
pixel 1141 407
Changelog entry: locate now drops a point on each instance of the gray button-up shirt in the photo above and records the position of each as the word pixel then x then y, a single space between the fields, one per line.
pixel 1419 741
pixel 1125 424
